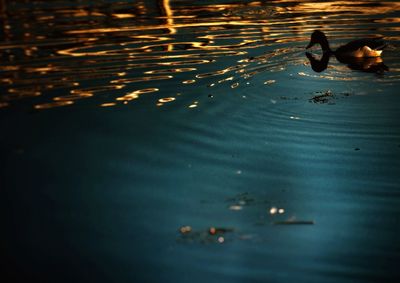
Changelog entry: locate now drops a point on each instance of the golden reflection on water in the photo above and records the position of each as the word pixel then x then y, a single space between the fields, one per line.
pixel 76 95
pixel 164 100
pixel 135 94
pixel 338 7
pixel 57 54
pixel 53 104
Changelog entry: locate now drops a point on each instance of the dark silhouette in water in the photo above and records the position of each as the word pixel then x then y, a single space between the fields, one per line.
pixel 361 54
pixel 360 48
pixel 368 64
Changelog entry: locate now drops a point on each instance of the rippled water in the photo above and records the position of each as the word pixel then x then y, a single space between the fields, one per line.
pixel 194 141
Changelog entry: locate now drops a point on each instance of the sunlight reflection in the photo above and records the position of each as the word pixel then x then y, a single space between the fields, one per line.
pixel 53 104
pixel 68 62
pixel 135 94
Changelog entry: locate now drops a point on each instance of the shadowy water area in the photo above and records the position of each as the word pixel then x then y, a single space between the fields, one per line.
pixel 197 141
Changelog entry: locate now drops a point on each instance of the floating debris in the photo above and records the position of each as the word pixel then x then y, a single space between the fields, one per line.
pixel 327 96
pixel 185 229
pixel 215 231
pixel 322 98
pixel 211 235
pixel 356 149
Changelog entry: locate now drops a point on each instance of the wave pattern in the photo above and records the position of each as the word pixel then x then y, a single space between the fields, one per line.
pixel 194 138
pixel 59 51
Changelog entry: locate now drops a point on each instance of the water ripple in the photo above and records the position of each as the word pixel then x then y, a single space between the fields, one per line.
pixel 272 35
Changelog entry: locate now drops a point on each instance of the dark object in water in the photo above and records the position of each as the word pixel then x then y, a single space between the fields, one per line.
pixel 368 65
pixel 361 48
pixel 216 231
pixel 211 235
pixel 322 98
pixel 361 54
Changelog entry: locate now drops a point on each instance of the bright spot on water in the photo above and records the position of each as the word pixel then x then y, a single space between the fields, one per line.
pixel 235 207
pixel 53 104
pixel 269 82
pixel 108 104
pixel 194 104
pixel 189 81
pixel 185 229
pixel 166 99
pixel 235 85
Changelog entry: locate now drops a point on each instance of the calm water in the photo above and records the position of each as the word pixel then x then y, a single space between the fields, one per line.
pixel 192 141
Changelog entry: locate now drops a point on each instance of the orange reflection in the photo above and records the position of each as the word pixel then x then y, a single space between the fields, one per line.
pixel 141 79
pixel 168 71
pixel 166 99
pixel 104 49
pixel 4 104
pixel 337 7
pixel 109 104
pixel 53 104
pixel 70 97
pixel 169 18
pixel 135 94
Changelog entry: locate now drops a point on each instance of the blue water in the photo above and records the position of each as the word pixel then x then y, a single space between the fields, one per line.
pixel 123 123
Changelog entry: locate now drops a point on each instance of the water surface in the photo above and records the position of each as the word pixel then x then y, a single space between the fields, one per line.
pixel 123 122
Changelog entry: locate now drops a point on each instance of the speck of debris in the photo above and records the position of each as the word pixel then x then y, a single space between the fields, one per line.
pixel 322 98
pixel 356 148
pixel 210 96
